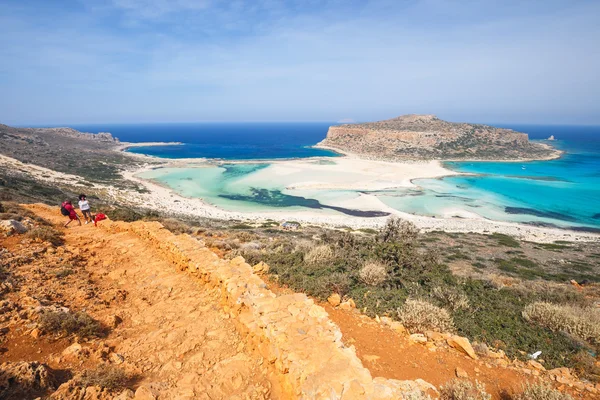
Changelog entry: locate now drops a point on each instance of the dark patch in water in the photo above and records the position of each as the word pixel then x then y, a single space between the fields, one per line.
pixel 539 178
pixel 572 228
pixel 538 213
pixel 596 216
pixel 235 170
pixel 274 198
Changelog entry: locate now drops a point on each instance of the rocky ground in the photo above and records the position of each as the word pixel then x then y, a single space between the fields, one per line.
pixel 167 335
pixel 132 326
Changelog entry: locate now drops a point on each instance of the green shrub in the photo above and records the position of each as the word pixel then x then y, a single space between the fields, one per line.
pixel 421 316
pixel 67 323
pixel 584 365
pixel 47 234
pixel 241 226
pixel 506 240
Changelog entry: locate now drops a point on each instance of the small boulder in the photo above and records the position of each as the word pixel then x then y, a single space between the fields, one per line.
pixel 114 321
pixel 261 267
pixel 417 338
pixel 116 358
pixel 399 328
pixel 145 393
pixel 73 349
pixel 11 226
pixel 334 299
pixel 462 344
pixel 461 373
pixel 348 305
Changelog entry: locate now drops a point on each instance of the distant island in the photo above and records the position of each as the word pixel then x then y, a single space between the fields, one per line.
pixel 426 137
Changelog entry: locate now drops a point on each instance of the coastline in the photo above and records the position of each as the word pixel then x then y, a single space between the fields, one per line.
pixel 556 154
pixel 166 199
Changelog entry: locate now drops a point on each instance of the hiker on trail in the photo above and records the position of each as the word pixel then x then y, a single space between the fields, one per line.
pixel 67 210
pixel 84 206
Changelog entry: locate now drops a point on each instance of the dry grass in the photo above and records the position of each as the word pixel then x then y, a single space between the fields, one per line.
pixel 47 234
pixel 463 390
pixel 539 391
pixel 582 322
pixel 106 376
pixel 451 297
pixel 373 273
pixel 79 323
pixel 318 255
pixel 584 365
pixel 421 316
pixel 176 226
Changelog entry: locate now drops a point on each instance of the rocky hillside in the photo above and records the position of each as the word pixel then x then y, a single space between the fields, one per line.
pixel 66 150
pixel 417 137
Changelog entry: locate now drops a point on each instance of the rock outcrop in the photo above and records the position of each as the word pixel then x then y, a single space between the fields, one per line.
pixel 70 132
pixel 417 137
pixel 20 379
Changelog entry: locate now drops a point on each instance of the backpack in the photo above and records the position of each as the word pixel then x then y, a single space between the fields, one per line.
pixel 64 211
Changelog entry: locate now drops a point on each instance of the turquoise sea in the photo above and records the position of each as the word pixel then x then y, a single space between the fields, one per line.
pixel 563 192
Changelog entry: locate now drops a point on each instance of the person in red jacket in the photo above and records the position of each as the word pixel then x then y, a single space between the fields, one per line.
pixel 72 214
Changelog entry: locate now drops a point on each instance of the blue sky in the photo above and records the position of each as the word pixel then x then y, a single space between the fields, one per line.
pixel 86 61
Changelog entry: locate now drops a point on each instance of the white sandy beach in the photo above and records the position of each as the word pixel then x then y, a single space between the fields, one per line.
pixel 373 175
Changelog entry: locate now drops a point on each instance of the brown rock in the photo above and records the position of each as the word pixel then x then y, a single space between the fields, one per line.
pixel 417 338
pixel 145 393
pixel 116 358
pixel 536 365
pixel 261 267
pixel 462 344
pixel 348 305
pixel 461 373
pixel 114 321
pixel 73 350
pixel 35 333
pixel 399 328
pixel 334 299
pixel 435 336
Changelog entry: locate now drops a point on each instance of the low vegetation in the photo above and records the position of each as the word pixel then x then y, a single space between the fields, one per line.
pixel 382 271
pixel 47 234
pixel 582 322
pixel 460 389
pixel 539 391
pixel 105 376
pixel 68 323
pixel 373 273
pixel 421 316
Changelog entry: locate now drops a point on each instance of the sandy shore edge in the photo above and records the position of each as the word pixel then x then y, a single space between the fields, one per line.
pixel 165 199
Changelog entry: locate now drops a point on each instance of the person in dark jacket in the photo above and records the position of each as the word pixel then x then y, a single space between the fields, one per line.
pixel 72 214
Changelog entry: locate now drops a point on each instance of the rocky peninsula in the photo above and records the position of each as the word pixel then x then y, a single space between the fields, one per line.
pixel 426 137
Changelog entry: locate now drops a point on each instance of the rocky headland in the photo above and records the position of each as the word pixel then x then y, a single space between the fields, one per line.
pixel 426 137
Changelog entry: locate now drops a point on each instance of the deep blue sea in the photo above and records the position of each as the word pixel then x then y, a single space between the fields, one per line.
pixel 229 141
pixel 563 192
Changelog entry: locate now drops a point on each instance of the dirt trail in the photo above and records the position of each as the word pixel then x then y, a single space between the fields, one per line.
pixel 174 331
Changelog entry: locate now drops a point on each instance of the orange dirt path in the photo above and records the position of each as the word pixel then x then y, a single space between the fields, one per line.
pixel 174 331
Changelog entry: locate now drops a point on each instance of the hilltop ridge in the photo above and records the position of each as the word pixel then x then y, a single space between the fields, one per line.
pixel 425 137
